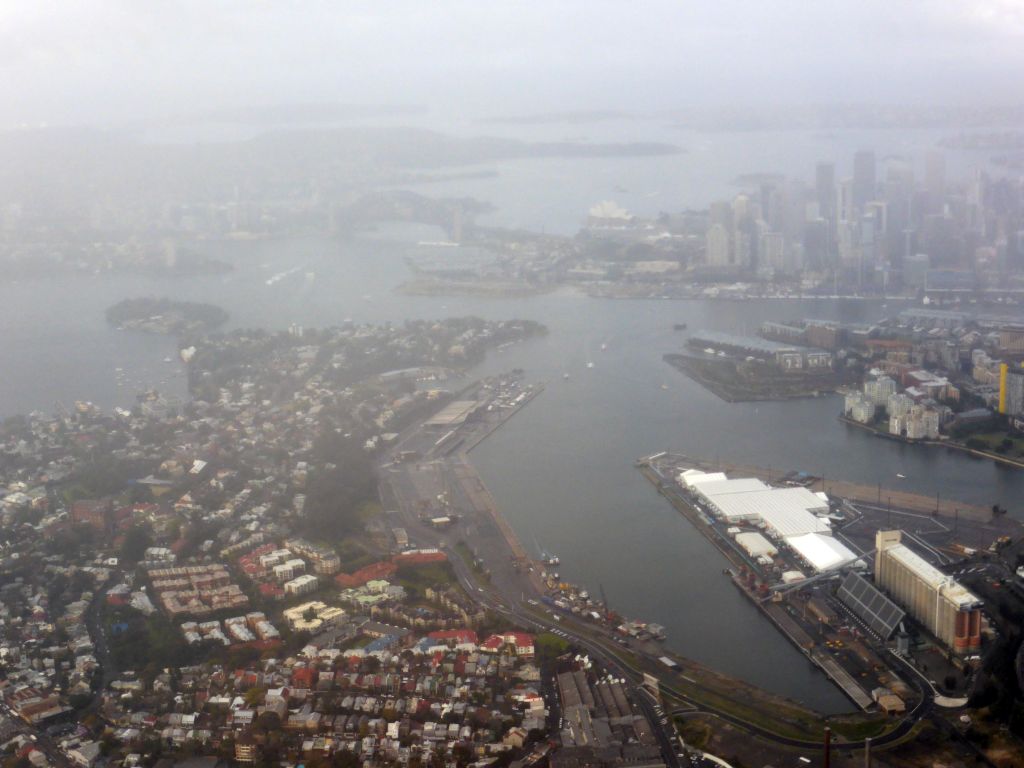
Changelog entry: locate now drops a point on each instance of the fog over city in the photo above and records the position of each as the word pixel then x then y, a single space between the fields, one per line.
pixel 110 61
pixel 512 384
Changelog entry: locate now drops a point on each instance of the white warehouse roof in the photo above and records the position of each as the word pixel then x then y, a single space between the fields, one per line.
pixel 785 511
pixel 710 489
pixel 822 552
pixel 756 545
pixel 694 477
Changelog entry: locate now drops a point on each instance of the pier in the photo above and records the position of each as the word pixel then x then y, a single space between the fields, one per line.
pixel 865 494
pixel 773 609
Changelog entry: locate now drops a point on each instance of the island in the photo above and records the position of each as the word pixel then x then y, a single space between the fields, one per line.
pixel 165 316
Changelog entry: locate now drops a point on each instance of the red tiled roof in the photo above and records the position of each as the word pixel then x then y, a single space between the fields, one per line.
pixel 458 635
pixel 378 570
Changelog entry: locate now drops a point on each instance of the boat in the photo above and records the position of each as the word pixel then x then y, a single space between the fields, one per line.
pixel 565 376
pixel 590 365
pixel 604 347
pixel 901 476
pixel 679 327
pixel 546 557
pixel 274 279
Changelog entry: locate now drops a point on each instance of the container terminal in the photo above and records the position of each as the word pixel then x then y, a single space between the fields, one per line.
pixel 871 594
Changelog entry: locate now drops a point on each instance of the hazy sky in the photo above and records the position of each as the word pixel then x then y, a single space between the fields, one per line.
pixel 68 61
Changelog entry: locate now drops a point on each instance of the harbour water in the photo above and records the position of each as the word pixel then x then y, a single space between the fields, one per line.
pixel 561 470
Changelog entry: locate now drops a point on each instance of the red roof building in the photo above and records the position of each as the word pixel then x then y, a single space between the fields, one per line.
pixel 454 636
pixel 378 570
pixel 519 643
pixel 97 513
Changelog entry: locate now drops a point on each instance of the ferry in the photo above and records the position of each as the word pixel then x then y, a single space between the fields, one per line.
pixel 273 279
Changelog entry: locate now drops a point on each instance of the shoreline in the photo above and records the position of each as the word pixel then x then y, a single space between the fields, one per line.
pixel 951 445
pixel 849 687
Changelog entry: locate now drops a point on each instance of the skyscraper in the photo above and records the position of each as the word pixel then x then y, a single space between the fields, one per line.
pixel 935 173
pixel 718 246
pixel 825 188
pixel 844 201
pixel 863 177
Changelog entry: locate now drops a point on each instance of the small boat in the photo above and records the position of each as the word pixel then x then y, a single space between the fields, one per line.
pixel 590 365
pixel 604 347
pixel 901 476
pixel 565 376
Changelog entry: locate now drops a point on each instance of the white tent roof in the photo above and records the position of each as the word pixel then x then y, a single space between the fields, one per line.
pixel 710 489
pixel 822 552
pixel 694 477
pixel 786 511
pixel 755 544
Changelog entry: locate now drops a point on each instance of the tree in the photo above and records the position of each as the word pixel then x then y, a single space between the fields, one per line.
pixel 254 695
pixel 136 541
pixel 268 722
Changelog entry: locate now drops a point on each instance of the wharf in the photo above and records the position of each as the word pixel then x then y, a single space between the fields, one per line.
pixel 440 480
pixel 476 439
pixel 791 629
pixel 865 494
pixel 775 613
pixel 483 503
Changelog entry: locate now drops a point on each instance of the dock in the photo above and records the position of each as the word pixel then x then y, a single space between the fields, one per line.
pixel 864 494
pixel 775 613
pixel 853 690
pixel 476 439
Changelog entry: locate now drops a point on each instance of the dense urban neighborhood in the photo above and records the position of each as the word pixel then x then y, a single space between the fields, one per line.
pixel 215 577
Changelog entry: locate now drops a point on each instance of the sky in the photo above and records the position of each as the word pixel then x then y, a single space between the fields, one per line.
pixel 66 61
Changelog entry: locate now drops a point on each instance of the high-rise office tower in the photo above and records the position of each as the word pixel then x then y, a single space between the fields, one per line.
pixel 719 251
pixel 863 177
pixel 825 188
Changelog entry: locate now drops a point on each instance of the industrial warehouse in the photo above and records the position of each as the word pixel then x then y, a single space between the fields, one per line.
pixel 794 517
pixel 891 626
